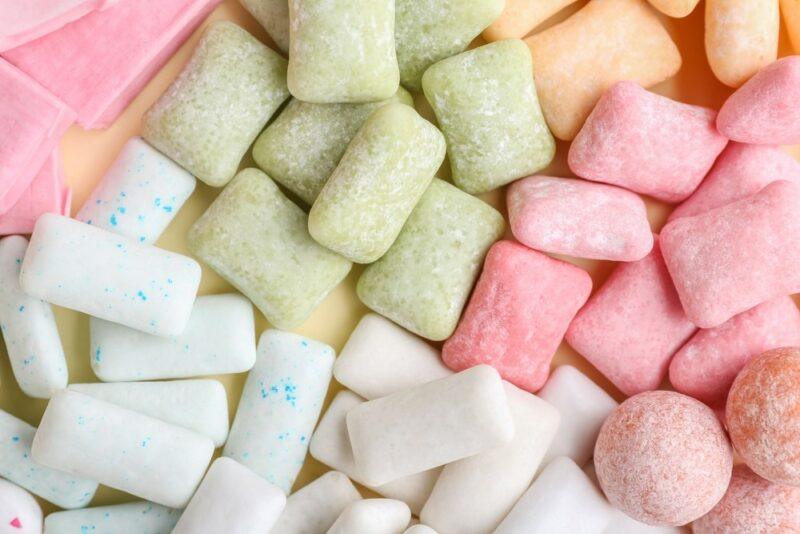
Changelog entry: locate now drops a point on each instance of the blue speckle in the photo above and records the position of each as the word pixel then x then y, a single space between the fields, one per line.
pixel 141 239
pixel 89 222
pixel 113 219
pixel 19 261
pixel 121 209
pixel 81 420
pixel 169 280
pixel 304 343
pixel 302 439
pixel 157 201
pixel 141 295
pixel 97 356
pixel 28 361
pixel 145 441
pixel 140 218
pixel 98 201
pixel 167 209
pixel 123 194
pixel 15 439
pixel 22 308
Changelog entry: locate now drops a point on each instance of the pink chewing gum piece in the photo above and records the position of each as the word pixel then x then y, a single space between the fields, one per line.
pixel 647 143
pixel 46 194
pixel 632 325
pixel 24 21
pixel 725 261
pixel 765 110
pixel 706 366
pixel 578 218
pixel 98 64
pixel 517 315
pixel 31 123
pixel 740 171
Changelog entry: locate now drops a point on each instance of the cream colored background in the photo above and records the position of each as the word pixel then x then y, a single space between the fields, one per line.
pixel 87 154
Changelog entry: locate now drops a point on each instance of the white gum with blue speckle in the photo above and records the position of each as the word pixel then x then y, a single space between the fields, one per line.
pixel 120 448
pixel 280 404
pixel 430 425
pixel 314 508
pixel 199 405
pixel 139 195
pixel 381 358
pixel 219 339
pixel 84 268
pixel 473 495
pixel 231 499
pixel 138 517
pixel 330 445
pixel 17 465
pixel 29 328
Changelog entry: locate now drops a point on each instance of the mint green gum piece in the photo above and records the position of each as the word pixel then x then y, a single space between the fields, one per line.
pixel 386 169
pixel 424 280
pixel 273 15
pixel 257 239
pixel 432 30
pixel 302 147
pixel 486 105
pixel 342 51
pixel 211 114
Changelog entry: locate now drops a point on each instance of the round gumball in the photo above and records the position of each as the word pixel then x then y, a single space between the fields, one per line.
pixel 753 505
pixel 763 415
pixel 19 511
pixel 663 458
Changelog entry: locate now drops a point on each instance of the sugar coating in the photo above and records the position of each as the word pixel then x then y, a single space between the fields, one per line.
pixel 120 448
pixel 430 425
pixel 583 407
pixel 663 458
pixel 231 499
pixel 740 171
pixel 732 258
pixel 342 52
pixel 109 43
pixel 372 516
pixel 139 286
pixel 647 143
pixel 577 60
pixel 129 518
pixel 707 364
pixel 34 120
pixel 424 280
pixel 211 114
pixel 139 195
pixel 273 15
pixel 218 339
pixel 280 404
pixel 17 466
pixel 752 505
pixel 762 111
pixel 518 314
pixel 632 325
pixel 19 510
pixel 387 167
pixel 433 30
pixel 301 148
pixel 258 240
pixel 313 508
pixel 675 8
pixel 741 37
pixel 199 405
pixel 485 103
pixel 380 358
pixel 330 444
pixel 519 17
pixel 473 495
pixel 579 218
pixel 761 415
pixel 562 500
pixel 25 22
pixel 29 328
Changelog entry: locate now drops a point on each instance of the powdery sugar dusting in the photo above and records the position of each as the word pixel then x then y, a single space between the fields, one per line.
pixel 663 458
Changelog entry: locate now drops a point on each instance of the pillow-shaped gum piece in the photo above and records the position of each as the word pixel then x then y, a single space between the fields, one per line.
pixel 646 143
pixel 211 114
pixel 486 105
pixel 725 261
pixel 603 43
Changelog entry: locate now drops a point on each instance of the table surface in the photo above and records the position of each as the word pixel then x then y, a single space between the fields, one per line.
pixel 88 154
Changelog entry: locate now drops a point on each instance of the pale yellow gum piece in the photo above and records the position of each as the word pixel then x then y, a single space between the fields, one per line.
pixel 741 37
pixel 791 17
pixel 675 8
pixel 521 16
pixel 605 42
